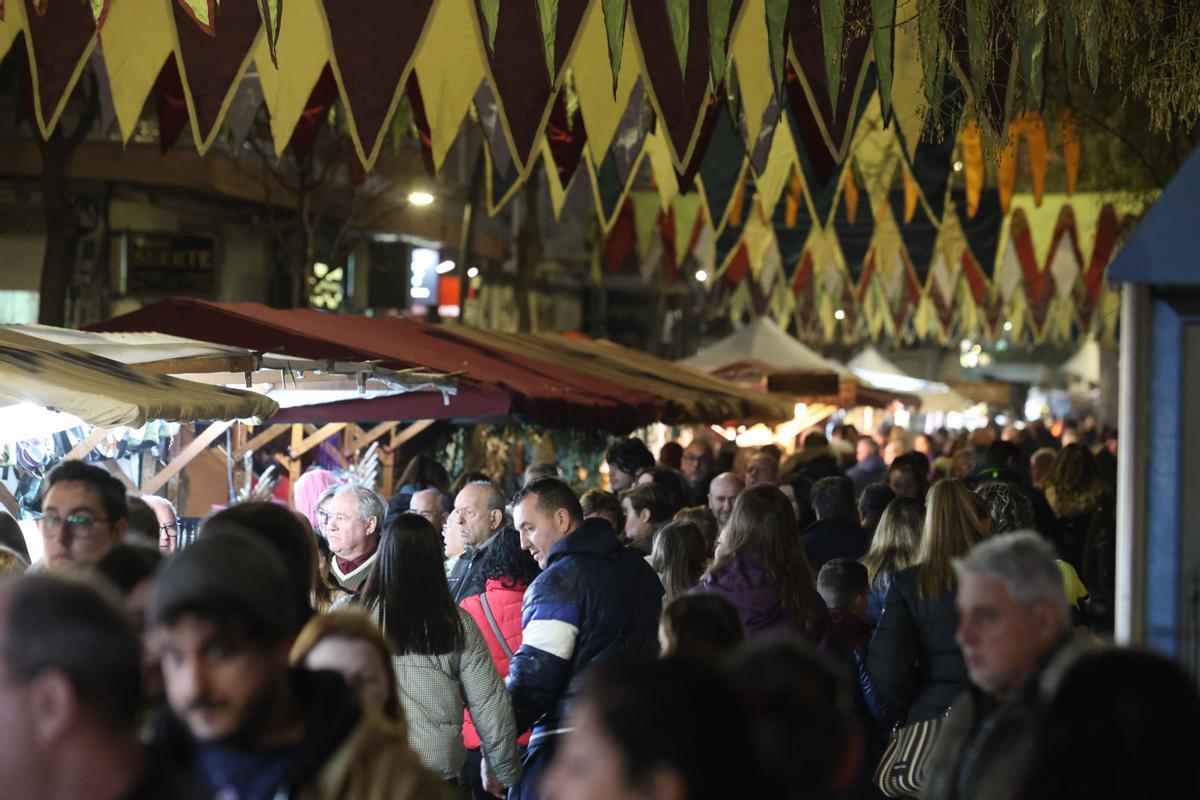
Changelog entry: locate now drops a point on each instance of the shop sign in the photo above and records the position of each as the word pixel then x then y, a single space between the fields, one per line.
pixel 168 264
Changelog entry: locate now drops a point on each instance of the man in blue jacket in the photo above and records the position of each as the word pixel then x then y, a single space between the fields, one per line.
pixel 594 600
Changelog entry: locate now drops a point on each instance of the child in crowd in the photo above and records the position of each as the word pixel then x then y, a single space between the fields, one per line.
pixel 844 586
pixel 703 626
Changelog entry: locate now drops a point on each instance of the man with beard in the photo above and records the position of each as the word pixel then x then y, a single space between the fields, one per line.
pixel 242 723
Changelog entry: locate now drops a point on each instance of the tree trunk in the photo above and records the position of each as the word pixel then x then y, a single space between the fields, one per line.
pixel 62 231
pixel 529 253
pixel 62 226
pixel 467 233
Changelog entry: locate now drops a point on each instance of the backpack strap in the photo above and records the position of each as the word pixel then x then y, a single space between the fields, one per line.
pixel 487 612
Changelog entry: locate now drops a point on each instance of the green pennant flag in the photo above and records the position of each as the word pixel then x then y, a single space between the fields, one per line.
pixel 833 32
pixel 1070 32
pixel 679 14
pixel 719 12
pixel 491 20
pixel 883 19
pixel 1033 54
pixel 548 20
pixel 978 51
pixel 777 42
pixel 614 26
pixel 271 12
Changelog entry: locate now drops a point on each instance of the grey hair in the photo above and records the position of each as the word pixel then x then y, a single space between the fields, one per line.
pixel 151 499
pixel 1025 563
pixel 370 504
pixel 495 500
pixel 328 492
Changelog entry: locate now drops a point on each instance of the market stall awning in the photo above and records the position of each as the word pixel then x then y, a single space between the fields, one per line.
pixel 681 395
pixel 107 393
pixel 492 382
pixel 302 387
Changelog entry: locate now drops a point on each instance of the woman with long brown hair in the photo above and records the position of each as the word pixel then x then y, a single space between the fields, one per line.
pixel 913 660
pixel 1086 535
pixel 761 568
pixel 679 557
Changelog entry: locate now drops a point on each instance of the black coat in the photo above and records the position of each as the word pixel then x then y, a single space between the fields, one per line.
pixel 1088 541
pixel 913 659
pixel 833 538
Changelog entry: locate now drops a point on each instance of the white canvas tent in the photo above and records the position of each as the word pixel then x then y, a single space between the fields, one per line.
pixel 876 369
pixel 764 342
pixel 873 367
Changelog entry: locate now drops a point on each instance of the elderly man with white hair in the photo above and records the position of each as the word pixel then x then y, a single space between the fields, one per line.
pixel 1013 620
pixel 353 528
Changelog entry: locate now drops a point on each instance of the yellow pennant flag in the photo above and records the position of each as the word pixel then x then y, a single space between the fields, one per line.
pixel 600 106
pixel 302 52
pixel 137 39
pixel 449 66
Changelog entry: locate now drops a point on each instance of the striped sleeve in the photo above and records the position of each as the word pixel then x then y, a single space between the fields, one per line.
pixel 540 669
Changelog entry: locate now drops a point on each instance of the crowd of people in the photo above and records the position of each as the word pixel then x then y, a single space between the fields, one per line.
pixel 872 615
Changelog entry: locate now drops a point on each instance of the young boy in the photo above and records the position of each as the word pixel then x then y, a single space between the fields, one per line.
pixel 843 584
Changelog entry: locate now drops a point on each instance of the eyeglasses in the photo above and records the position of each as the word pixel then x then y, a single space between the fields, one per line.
pixel 77 524
pixel 169 528
pixel 322 518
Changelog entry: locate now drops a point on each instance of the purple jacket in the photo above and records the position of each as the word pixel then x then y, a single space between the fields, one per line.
pixel 745 583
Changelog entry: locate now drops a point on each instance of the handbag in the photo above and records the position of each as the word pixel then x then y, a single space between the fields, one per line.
pixel 901 770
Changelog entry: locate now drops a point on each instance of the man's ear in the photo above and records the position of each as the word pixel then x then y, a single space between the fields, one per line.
pixel 55 705
pixel 372 525
pixel 644 515
pixel 562 519
pixel 497 517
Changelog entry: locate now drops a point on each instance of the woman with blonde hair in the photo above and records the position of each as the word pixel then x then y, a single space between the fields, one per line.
pixel 913 660
pixel 893 548
pixel 348 642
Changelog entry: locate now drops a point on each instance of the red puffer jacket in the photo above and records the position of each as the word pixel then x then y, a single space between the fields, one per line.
pixel 506 608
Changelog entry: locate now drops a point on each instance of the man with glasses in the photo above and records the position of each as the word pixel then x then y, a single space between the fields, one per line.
pixel 83 515
pixel 352 529
pixel 697 468
pixel 168 522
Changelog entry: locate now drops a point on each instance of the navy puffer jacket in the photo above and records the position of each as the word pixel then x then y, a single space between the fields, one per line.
pixel 913 659
pixel 596 599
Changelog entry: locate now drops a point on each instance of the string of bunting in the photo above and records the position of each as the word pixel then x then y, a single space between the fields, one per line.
pixel 789 142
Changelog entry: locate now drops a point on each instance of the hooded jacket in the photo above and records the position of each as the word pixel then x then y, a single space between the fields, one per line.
pixel 745 583
pixel 346 754
pixel 596 599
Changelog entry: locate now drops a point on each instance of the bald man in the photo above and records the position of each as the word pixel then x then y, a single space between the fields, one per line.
pixel 723 490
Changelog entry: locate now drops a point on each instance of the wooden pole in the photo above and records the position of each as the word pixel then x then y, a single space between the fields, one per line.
pixel 195 448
